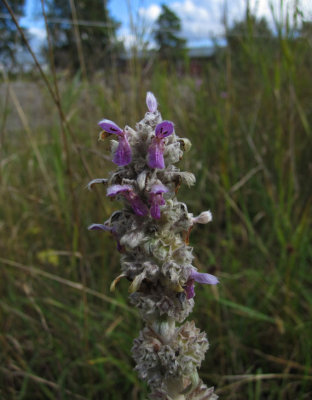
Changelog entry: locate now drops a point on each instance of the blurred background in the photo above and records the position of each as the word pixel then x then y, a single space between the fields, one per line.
pixel 235 78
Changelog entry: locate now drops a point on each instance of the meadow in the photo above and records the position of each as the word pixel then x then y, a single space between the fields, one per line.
pixel 63 334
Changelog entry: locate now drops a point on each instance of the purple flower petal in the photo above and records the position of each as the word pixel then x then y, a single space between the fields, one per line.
pixel 99 227
pixel 158 189
pixel 138 206
pixel 164 129
pixel 119 246
pixel 110 127
pixel 123 154
pixel 156 199
pixel 204 278
pixel 116 189
pixel 189 289
pixel 200 278
pixel 155 155
pixel 155 210
pixel 151 102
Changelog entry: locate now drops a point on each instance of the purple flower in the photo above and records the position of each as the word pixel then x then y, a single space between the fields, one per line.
pixel 123 154
pixel 151 102
pixel 117 189
pixel 110 126
pixel 127 191
pixel 101 227
pixel 157 147
pixel 164 129
pixel 156 199
pixel 199 277
pixel 156 154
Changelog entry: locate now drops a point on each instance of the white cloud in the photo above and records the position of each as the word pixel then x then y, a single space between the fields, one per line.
pixel 199 20
pixel 202 19
pixel 151 13
pixel 39 34
pixel 129 40
pixel 134 40
pixel 271 10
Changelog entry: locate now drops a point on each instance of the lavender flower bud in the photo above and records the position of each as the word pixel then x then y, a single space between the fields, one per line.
pixel 151 102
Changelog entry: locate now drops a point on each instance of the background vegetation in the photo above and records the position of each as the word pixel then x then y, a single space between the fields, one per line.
pixel 248 114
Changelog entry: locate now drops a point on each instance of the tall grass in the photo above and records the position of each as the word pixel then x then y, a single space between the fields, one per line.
pixel 63 335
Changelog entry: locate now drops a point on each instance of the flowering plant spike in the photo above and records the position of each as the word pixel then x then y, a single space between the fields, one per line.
pixel 151 232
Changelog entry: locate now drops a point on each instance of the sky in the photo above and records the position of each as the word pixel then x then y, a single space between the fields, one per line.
pixel 201 19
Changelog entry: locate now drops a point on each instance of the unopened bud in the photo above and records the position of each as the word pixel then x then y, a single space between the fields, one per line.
pixel 203 218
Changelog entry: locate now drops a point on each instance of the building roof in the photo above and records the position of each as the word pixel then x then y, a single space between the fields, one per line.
pixel 193 52
pixel 200 52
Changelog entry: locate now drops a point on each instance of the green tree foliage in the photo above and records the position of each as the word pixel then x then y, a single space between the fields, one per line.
pixel 303 43
pixel 9 36
pixel 168 27
pixel 306 29
pixel 95 33
pixel 250 29
pixel 248 37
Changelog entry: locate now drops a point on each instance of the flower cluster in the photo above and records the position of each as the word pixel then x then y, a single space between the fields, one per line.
pixel 152 233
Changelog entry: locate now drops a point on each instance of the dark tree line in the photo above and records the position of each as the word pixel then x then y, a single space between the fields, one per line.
pixel 83 32
pixel 82 29
pixel 10 39
pixel 167 34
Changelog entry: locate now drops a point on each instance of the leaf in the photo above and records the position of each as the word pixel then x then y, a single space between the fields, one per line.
pixel 246 310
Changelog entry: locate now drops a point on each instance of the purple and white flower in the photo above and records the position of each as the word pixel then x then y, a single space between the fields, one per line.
pixel 156 199
pixel 123 154
pixel 157 258
pixel 137 204
pixel 102 227
pixel 157 147
pixel 199 277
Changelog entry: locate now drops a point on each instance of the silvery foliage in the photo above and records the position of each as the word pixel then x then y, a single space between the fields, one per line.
pixel 155 255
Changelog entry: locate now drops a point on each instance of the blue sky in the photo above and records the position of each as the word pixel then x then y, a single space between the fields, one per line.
pixel 201 19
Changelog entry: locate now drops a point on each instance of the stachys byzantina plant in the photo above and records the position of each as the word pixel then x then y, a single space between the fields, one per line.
pixel 152 233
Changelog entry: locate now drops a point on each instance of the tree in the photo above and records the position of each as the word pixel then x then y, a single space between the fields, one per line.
pixel 306 30
pixel 82 31
pixel 10 39
pixel 303 43
pixel 252 29
pixel 250 40
pixel 166 34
